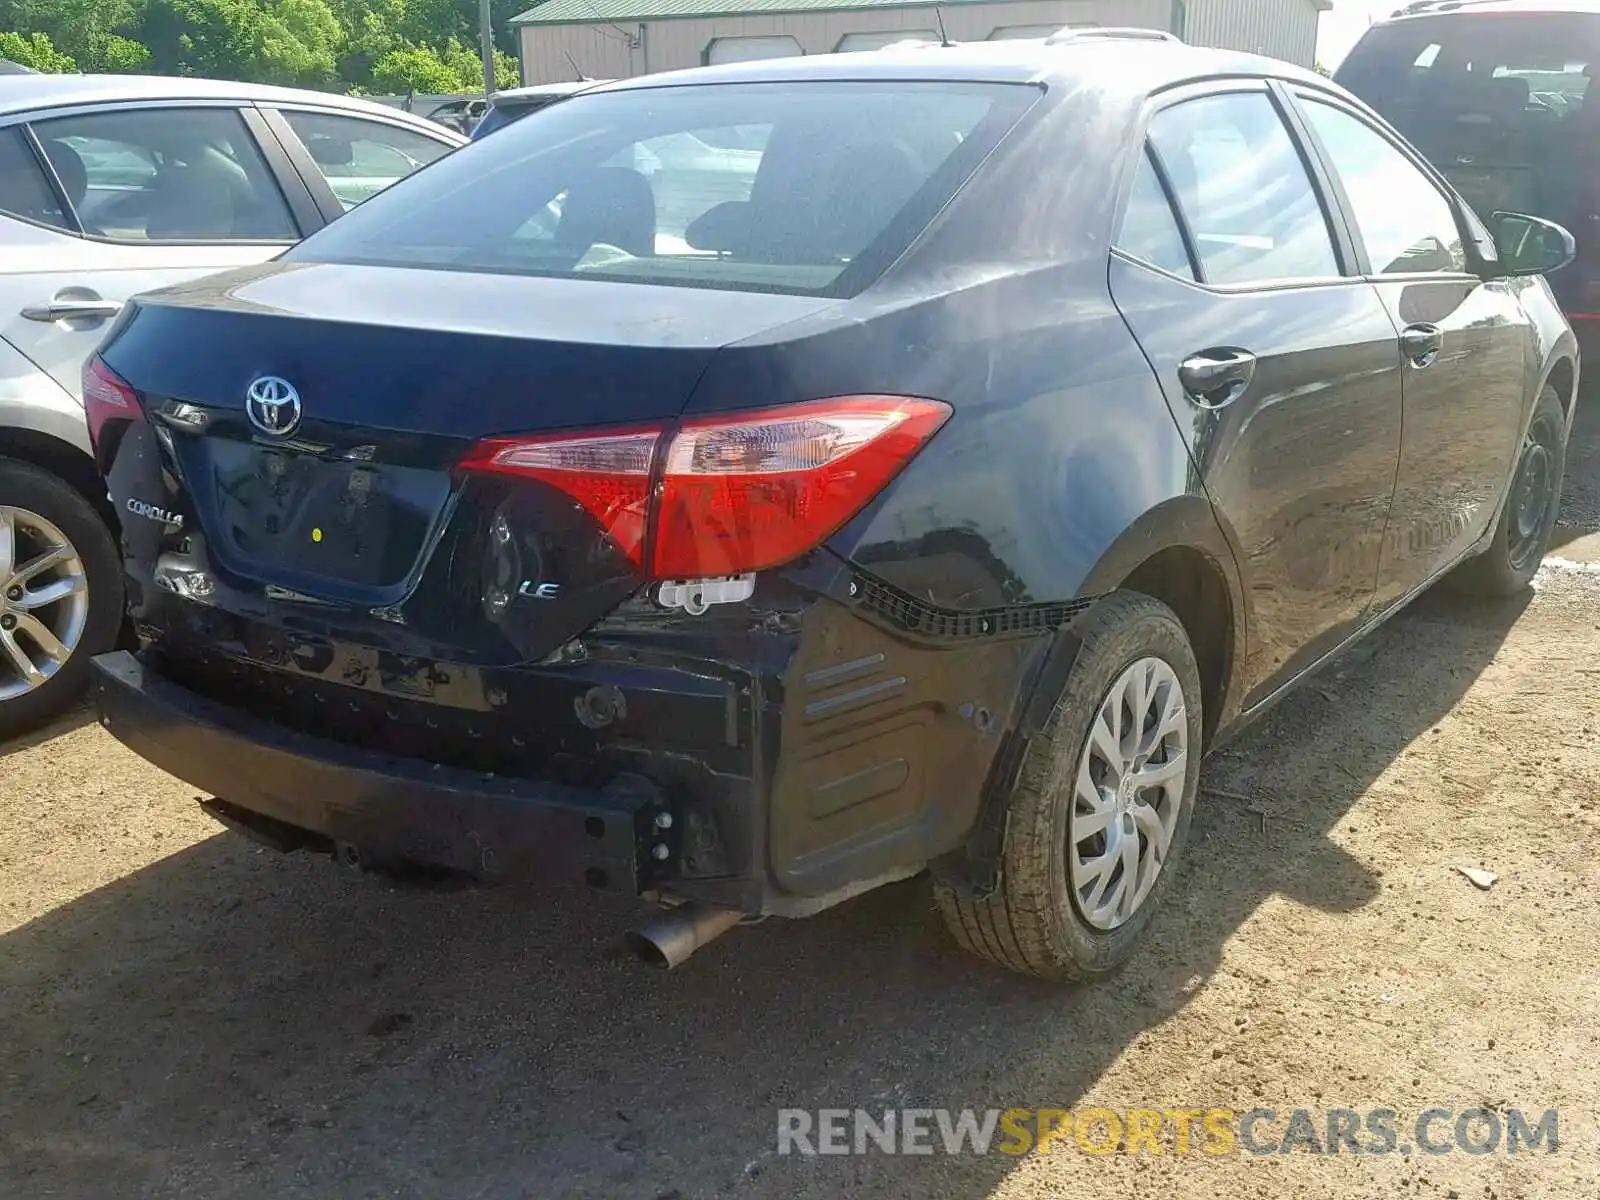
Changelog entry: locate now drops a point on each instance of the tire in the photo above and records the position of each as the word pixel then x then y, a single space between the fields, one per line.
pixel 1036 923
pixel 30 501
pixel 1521 535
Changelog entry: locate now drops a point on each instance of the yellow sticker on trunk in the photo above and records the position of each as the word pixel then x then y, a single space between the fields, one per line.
pixel 316 535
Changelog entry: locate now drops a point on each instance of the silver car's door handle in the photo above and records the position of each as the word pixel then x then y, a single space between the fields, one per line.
pixel 72 310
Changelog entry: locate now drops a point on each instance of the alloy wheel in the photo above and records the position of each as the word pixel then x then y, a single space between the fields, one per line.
pixel 44 601
pixel 1127 793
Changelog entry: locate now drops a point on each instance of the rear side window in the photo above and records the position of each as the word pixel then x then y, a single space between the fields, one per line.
pixel 24 192
pixel 166 175
pixel 358 157
pixel 810 188
pixel 1243 189
pixel 1404 220
pixel 1149 230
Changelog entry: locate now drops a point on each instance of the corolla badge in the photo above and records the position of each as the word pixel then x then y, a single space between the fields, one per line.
pixel 273 405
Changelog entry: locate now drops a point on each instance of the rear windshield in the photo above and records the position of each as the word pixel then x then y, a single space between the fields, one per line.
pixel 1501 102
pixel 808 188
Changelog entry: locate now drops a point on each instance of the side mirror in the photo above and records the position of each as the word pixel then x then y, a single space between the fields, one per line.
pixel 1530 245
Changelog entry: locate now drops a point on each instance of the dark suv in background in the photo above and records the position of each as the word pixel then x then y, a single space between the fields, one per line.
pixel 1497 94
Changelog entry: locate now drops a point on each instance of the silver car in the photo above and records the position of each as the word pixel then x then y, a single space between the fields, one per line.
pixel 110 186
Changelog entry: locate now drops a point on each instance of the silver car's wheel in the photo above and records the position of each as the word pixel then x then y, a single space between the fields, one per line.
pixel 1128 792
pixel 44 601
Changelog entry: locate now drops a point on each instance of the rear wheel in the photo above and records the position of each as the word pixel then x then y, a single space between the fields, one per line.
pixel 60 594
pixel 1529 514
pixel 1100 814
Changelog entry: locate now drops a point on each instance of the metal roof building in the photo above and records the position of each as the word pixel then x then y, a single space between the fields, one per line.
pixel 610 39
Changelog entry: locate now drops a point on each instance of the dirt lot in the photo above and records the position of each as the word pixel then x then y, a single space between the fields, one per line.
pixel 182 1014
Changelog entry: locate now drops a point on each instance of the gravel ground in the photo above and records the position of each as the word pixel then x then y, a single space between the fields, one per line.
pixel 182 1014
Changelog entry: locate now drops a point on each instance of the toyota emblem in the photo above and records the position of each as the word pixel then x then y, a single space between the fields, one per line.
pixel 273 406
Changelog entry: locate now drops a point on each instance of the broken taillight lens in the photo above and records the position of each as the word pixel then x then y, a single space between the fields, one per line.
pixel 106 397
pixel 608 474
pixel 734 493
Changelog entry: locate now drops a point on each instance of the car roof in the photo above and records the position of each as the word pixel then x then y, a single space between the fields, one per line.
pixel 564 88
pixel 1131 64
pixel 27 93
pixel 1520 8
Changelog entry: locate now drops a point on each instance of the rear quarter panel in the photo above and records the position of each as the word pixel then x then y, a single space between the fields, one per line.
pixel 1061 469
pixel 32 400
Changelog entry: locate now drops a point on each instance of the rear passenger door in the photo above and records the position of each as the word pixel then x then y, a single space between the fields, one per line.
pixel 141 196
pixel 1279 363
pixel 1462 340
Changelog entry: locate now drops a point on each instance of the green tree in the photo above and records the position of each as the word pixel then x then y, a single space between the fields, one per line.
pixel 414 68
pixel 346 44
pixel 74 27
pixel 35 50
pixel 467 66
pixel 368 36
pixel 220 38
pixel 300 44
pixel 265 41
pixel 121 56
pixel 433 23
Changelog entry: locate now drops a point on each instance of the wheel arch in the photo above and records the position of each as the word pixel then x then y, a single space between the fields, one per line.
pixel 62 459
pixel 1561 373
pixel 42 424
pixel 1179 553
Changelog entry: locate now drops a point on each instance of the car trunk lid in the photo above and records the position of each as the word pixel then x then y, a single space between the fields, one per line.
pixel 315 436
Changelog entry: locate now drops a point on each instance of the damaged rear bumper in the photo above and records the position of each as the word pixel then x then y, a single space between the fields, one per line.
pixel 775 758
pixel 293 788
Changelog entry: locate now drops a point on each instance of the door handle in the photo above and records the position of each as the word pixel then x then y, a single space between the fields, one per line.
pixel 1421 344
pixel 72 310
pixel 1216 378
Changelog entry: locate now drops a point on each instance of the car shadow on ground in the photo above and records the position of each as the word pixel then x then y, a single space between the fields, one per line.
pixel 241 1024
pixel 75 718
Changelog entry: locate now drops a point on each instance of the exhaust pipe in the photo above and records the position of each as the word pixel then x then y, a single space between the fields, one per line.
pixel 669 940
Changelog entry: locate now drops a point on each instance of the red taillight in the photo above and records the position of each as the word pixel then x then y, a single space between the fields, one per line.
pixel 608 474
pixel 756 491
pixel 105 398
pixel 736 493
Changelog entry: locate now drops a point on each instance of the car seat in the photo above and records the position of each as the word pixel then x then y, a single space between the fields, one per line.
pixel 69 168
pixel 611 206
pixel 865 187
pixel 195 199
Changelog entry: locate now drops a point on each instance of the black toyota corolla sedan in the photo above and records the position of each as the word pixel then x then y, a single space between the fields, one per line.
pixel 748 486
